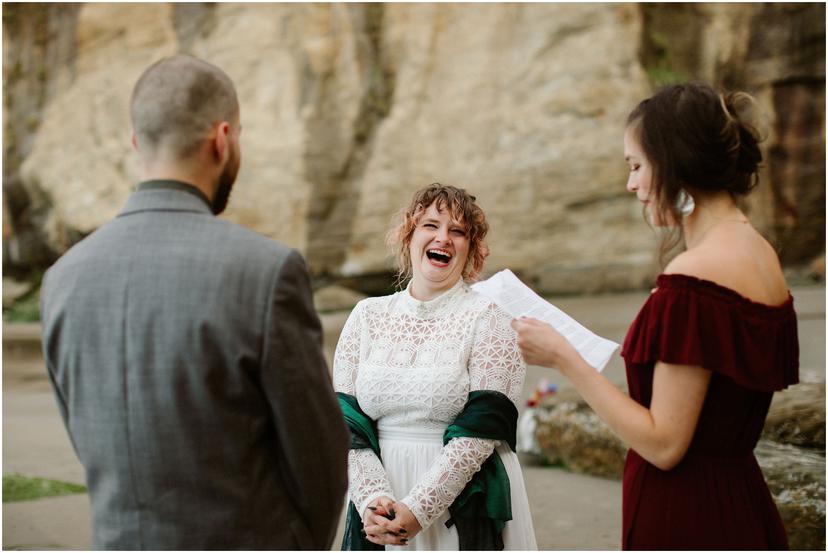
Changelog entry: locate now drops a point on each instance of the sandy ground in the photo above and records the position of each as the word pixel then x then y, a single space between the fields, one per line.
pixel 570 511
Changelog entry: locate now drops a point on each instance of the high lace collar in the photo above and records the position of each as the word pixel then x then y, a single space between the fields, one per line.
pixel 430 308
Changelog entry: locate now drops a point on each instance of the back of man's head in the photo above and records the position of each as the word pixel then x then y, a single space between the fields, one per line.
pixel 176 102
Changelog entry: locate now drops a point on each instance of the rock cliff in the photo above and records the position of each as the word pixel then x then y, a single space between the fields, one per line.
pixel 347 108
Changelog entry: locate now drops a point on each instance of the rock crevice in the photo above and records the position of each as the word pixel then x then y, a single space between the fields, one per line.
pixel 335 187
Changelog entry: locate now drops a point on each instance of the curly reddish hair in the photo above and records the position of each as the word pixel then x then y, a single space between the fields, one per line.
pixel 462 207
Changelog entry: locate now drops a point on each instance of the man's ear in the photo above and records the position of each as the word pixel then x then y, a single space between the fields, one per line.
pixel 134 140
pixel 221 143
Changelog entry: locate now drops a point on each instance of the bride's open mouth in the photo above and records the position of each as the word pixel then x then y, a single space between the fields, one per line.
pixel 438 257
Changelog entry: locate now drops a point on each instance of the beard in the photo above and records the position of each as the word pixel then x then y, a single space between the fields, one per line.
pixel 225 186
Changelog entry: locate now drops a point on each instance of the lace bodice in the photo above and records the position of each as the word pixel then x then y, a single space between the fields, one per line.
pixel 411 364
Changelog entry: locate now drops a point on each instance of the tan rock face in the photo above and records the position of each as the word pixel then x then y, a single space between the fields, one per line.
pixel 569 432
pixel 81 159
pixel 348 108
pixel 335 299
pixel 797 416
pixel 796 478
pixel 499 100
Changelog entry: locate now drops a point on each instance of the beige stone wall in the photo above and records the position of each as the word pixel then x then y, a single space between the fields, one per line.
pixel 81 159
pixel 348 108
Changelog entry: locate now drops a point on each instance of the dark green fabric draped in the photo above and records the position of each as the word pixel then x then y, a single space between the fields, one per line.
pixel 484 506
pixel 363 436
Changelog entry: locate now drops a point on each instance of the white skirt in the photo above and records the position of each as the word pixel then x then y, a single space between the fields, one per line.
pixel 408 453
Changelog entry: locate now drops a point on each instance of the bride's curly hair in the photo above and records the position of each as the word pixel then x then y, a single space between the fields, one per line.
pixel 462 207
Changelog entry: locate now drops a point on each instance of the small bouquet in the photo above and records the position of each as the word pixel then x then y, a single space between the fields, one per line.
pixel 527 423
pixel 543 389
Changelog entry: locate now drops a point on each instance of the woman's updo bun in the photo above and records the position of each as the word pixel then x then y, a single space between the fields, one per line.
pixel 697 140
pixel 746 155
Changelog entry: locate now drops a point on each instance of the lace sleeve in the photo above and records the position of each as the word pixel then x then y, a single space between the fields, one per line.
pixel 366 479
pixel 346 356
pixel 495 363
pixel 366 475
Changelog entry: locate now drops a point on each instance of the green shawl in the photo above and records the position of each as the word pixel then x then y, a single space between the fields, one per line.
pixel 363 436
pixel 484 506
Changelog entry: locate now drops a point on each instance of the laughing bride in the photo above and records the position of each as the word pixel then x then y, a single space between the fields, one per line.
pixel 428 379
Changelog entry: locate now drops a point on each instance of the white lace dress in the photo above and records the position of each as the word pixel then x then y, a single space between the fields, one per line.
pixel 411 366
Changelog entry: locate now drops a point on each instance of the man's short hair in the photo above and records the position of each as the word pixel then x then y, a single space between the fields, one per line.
pixel 176 102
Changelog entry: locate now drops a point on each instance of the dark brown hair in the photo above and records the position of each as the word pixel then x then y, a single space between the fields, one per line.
pixel 696 139
pixel 462 207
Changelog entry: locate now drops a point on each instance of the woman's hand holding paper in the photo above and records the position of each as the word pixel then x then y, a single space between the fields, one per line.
pixel 542 345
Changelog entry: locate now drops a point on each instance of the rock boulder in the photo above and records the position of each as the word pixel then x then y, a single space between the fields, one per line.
pixel 569 432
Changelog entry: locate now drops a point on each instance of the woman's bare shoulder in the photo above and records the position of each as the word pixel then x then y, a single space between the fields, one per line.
pixel 752 270
pixel 698 262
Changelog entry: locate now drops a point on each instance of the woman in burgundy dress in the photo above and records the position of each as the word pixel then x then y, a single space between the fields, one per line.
pixel 712 343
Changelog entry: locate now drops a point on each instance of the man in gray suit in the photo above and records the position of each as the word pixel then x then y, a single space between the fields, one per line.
pixel 185 352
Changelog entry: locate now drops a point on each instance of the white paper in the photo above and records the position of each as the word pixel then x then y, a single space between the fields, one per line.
pixel 518 300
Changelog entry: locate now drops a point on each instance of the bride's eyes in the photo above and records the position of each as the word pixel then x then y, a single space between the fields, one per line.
pixel 456 231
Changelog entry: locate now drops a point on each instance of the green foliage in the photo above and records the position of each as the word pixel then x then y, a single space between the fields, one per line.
pixel 17 487
pixel 24 310
pixel 661 67
pixel 664 76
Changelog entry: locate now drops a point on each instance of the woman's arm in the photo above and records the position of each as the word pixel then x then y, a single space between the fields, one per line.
pixel 494 364
pixel 660 434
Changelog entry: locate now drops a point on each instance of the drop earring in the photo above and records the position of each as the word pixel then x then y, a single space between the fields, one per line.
pixel 685 203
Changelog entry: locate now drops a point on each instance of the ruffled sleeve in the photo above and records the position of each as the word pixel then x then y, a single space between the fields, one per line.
pixel 691 321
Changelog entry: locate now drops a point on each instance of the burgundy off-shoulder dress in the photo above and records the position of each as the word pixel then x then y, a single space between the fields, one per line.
pixel 716 497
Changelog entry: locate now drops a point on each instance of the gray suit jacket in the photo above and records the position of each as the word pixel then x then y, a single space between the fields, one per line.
pixel 186 358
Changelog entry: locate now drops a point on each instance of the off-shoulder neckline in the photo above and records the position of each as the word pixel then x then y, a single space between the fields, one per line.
pixel 679 280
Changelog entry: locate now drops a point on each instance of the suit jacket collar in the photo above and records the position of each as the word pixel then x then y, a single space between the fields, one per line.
pixel 166 195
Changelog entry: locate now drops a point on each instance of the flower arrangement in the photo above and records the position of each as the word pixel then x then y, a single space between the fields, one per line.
pixel 544 388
